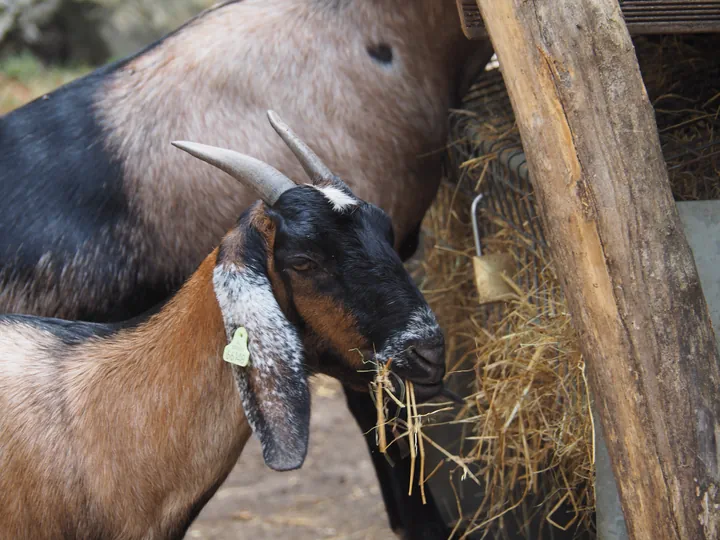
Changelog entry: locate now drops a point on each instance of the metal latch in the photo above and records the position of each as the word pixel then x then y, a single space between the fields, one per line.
pixel 493 271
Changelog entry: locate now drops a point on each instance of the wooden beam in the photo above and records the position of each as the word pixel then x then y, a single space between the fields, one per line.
pixel 633 290
pixel 641 17
pixel 671 16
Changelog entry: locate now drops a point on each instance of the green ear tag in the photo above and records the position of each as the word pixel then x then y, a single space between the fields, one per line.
pixel 236 352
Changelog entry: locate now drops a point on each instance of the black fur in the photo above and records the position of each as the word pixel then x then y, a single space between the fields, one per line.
pixel 60 186
pixel 381 53
pixel 357 265
pixel 410 244
pixel 68 332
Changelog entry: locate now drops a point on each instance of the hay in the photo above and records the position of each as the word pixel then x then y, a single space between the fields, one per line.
pixel 682 77
pixel 529 442
pixel 387 389
pixel 531 432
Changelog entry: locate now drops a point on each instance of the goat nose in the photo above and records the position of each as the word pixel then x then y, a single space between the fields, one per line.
pixel 432 354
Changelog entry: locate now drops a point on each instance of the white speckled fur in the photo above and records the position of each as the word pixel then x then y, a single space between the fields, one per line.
pixel 422 325
pixel 246 299
pixel 273 388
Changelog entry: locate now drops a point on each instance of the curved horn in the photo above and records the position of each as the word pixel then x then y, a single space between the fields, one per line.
pixel 266 180
pixel 312 164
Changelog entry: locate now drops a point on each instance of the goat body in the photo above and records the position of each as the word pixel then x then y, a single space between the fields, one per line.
pixel 101 219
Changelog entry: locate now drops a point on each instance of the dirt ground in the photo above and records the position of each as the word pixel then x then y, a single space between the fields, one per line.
pixel 334 496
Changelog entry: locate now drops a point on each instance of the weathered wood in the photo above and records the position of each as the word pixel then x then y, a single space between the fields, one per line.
pixel 593 150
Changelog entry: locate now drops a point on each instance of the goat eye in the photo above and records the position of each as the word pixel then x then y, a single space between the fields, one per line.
pixel 303 265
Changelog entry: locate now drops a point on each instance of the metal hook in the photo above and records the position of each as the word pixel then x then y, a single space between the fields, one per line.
pixel 473 216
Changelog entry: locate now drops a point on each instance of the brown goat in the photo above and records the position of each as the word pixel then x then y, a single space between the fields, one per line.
pixel 126 431
pixel 100 220
pixel 118 437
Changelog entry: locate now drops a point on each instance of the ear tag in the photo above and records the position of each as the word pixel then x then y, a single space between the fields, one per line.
pixel 236 352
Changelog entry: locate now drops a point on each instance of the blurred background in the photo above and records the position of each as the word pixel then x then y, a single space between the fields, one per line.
pixel 45 43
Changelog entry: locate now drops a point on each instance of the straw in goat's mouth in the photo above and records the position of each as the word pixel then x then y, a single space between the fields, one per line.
pixel 383 388
pixel 384 392
pixel 386 387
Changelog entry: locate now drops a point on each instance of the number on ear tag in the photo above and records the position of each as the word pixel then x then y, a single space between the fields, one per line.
pixel 236 352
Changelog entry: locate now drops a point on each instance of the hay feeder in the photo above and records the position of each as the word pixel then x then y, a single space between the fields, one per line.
pixel 524 447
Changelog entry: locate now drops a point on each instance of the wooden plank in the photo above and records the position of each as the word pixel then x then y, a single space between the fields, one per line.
pixel 626 268
pixel 641 17
pixel 472 23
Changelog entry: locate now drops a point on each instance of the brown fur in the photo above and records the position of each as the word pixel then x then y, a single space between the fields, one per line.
pixel 334 326
pixel 156 404
pixel 380 128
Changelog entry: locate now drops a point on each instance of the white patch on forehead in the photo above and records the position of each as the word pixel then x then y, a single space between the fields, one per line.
pixel 339 200
pixel 422 326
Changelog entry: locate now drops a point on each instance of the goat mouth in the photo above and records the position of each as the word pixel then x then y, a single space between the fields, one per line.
pixel 427 391
pixel 424 391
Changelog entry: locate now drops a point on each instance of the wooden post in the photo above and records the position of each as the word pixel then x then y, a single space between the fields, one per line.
pixel 628 273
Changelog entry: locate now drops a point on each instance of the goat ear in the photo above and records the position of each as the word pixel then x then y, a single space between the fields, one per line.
pixel 273 386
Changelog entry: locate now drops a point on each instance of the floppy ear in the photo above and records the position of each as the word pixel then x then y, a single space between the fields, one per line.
pixel 273 386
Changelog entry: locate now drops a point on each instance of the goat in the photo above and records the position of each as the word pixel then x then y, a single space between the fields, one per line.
pixel 126 430
pixel 101 221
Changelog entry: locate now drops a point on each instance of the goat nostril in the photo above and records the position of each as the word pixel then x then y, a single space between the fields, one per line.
pixel 434 354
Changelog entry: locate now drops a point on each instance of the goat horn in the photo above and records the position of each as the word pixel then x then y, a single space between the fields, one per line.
pixel 263 178
pixel 313 165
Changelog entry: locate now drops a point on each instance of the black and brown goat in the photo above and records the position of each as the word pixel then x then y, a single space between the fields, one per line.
pixel 126 430
pixel 101 220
